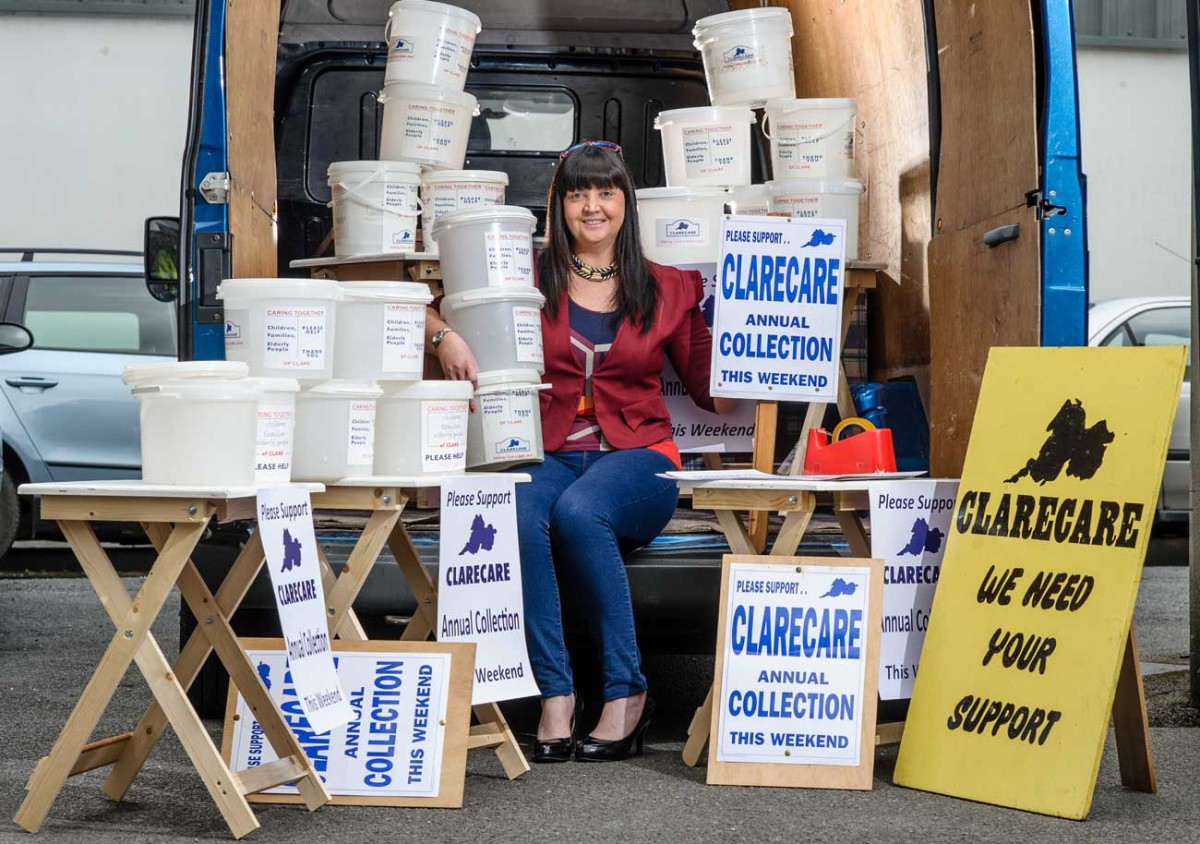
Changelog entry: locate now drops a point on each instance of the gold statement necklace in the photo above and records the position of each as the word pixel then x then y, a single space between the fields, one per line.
pixel 590 273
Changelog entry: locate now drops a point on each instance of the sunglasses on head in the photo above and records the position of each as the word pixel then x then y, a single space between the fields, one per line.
pixel 609 145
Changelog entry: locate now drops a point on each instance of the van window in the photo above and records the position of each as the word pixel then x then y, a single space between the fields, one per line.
pixel 99 314
pixel 531 120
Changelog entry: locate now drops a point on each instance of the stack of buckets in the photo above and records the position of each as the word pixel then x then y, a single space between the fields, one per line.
pixel 426 123
pixel 748 64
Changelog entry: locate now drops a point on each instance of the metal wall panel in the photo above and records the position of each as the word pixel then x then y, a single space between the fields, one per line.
pixel 1136 24
pixel 145 8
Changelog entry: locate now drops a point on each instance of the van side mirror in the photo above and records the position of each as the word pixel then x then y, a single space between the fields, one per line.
pixel 14 338
pixel 161 254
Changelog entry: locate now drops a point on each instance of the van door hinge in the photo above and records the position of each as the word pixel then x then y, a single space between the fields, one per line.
pixel 1045 207
pixel 215 188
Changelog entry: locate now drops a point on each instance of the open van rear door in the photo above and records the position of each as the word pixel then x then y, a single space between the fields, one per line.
pixel 1003 270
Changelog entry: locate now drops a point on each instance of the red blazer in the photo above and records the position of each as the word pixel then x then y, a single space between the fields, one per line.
pixel 627 386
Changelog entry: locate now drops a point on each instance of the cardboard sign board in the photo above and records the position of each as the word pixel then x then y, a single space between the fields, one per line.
pixel 1034 604
pixel 695 430
pixel 406 744
pixel 910 523
pixel 479 584
pixel 290 546
pixel 777 332
pixel 794 693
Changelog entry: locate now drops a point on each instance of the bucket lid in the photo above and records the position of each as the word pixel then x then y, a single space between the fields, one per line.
pixel 343 390
pixel 438 177
pixel 507 378
pixel 488 214
pixel 213 370
pixel 490 295
pixel 425 91
pixel 704 114
pixel 406 292
pixel 445 390
pixel 679 193
pixel 786 104
pixel 340 169
pixel 279 288
pixel 277 385
pixel 756 15
pixel 437 8
pixel 809 186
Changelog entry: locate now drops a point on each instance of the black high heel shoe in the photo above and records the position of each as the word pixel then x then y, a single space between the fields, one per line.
pixel 599 750
pixel 559 749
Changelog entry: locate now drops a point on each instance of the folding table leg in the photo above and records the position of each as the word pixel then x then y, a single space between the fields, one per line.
pixel 501 739
pixel 351 628
pixel 339 600
pixel 191 659
pixel 424 620
pixel 132 640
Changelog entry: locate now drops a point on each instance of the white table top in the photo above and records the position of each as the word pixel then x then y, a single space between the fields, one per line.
pixel 141 489
pixel 748 479
pixel 423 481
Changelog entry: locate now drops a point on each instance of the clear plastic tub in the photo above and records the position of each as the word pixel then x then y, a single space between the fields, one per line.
pixel 811 139
pixel 706 147
pixel 747 55
pixel 381 331
pixel 276 431
pixel 502 327
pixel 486 248
pixel 681 225
pixel 445 191
pixel 825 199
pixel 422 428
pixel 430 42
pixel 335 431
pixel 505 428
pixel 426 124
pixel 375 205
pixel 281 327
pixel 177 424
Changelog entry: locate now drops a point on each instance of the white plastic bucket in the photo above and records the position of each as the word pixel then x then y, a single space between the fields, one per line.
pixel 422 428
pixel 706 146
pixel 826 199
pixel 486 248
pixel 275 434
pixel 503 328
pixel 426 125
pixel 166 373
pixel 381 331
pixel 681 225
pixel 335 431
pixel 811 139
pixel 505 428
pixel 747 55
pixel 444 191
pixel 281 327
pixel 429 42
pixel 178 421
pixel 751 199
pixel 375 205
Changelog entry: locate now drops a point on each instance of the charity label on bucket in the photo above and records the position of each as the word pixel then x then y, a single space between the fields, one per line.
pixel 527 328
pixel 236 322
pixel 443 436
pixel 707 150
pixel 451 51
pixel 509 431
pixel 273 455
pixel 360 439
pixel 682 231
pixel 295 337
pixel 429 130
pixel 451 196
pixel 509 258
pixel 403 338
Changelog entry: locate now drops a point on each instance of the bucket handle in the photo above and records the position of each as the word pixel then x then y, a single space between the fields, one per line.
pixel 353 193
pixel 785 143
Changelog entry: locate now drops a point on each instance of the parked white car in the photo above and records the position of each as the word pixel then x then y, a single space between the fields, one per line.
pixel 1155 321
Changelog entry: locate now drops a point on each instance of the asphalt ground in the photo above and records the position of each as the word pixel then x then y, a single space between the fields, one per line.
pixel 53 630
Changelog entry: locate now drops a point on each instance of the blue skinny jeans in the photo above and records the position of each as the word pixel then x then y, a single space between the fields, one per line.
pixel 574 519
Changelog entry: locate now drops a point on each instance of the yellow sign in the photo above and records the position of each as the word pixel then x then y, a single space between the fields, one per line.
pixel 1041 570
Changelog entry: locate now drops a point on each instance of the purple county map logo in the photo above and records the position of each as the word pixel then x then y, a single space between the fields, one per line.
pixel 482 538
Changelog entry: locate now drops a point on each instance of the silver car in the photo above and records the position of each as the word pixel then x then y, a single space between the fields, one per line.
pixel 1155 321
pixel 66 415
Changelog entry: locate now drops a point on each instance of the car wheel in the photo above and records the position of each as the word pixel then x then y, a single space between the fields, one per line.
pixel 10 513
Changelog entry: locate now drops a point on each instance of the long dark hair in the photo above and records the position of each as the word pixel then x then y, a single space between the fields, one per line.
pixel 597 167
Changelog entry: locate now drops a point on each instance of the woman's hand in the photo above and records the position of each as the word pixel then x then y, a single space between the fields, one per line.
pixel 458 363
pixel 726 405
